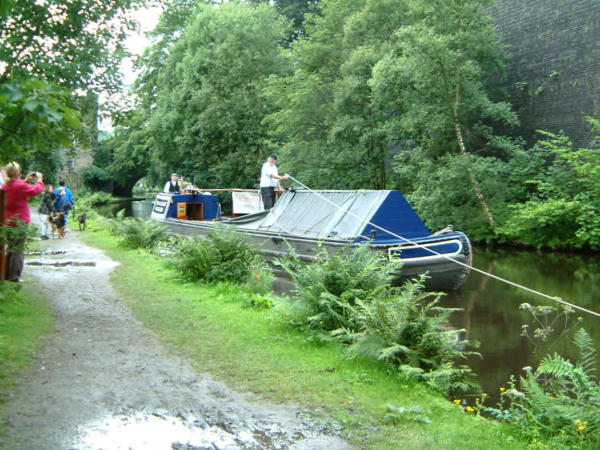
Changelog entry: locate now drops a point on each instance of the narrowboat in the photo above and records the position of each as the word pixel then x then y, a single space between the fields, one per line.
pixel 308 220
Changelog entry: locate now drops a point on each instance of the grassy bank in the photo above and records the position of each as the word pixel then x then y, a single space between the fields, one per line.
pixel 24 318
pixel 256 351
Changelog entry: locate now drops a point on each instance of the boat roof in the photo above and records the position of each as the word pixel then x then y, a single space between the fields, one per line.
pixel 340 214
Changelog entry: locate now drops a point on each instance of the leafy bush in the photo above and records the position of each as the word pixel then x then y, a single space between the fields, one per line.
pixel 223 255
pixel 95 177
pixel 559 401
pixel 86 201
pixel 550 223
pixel 136 233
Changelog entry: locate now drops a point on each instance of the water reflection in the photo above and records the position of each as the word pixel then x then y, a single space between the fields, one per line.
pixel 491 313
pixel 136 208
pixel 155 431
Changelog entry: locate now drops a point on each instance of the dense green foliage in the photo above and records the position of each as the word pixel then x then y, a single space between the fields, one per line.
pixel 223 255
pixel 352 94
pixel 350 296
pixel 559 401
pixel 561 210
pixel 136 233
pixel 209 104
pixel 375 94
pixel 49 51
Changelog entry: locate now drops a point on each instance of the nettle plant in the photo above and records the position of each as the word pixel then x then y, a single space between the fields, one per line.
pixel 349 296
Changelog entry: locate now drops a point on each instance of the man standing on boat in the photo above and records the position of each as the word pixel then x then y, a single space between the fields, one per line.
pixel 174 185
pixel 269 179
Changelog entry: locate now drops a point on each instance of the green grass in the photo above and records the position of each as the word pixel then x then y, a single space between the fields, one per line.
pixel 25 317
pixel 256 351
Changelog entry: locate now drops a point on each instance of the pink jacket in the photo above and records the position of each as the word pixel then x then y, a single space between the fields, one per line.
pixel 17 207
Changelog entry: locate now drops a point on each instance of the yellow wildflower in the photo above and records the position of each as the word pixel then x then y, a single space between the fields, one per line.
pixel 469 409
pixel 502 389
pixel 581 427
pixel 484 395
pixel 456 401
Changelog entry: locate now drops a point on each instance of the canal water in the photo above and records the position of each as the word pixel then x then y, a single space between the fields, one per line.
pixel 490 309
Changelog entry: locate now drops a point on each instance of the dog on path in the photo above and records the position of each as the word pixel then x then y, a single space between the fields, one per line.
pixel 81 219
pixel 58 224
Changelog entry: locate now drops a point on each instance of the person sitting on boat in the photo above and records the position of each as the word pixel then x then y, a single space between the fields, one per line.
pixel 174 185
pixel 269 179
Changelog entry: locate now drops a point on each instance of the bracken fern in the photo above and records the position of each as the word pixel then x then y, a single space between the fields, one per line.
pixel 560 401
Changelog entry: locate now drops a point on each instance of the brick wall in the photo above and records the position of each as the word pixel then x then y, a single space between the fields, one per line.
pixel 554 73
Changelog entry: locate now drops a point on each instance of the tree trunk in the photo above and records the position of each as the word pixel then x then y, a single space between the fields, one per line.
pixel 463 150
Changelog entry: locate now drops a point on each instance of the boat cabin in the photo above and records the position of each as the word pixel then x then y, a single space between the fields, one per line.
pixel 188 206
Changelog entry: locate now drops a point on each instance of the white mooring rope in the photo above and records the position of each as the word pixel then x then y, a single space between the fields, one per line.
pixel 503 280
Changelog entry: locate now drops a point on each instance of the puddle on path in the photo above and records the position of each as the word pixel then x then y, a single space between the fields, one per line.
pixel 47 252
pixel 158 432
pixel 62 263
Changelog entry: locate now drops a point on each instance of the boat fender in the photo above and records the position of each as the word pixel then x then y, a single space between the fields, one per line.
pixel 373 235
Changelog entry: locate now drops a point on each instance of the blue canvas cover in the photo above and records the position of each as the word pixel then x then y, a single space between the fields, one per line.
pixel 341 214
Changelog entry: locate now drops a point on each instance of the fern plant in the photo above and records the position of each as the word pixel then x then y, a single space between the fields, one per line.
pixel 223 255
pixel 408 328
pixel 136 233
pixel 350 296
pixel 328 288
pixel 559 401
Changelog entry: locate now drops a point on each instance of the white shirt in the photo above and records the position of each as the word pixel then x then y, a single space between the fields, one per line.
pixel 168 185
pixel 266 175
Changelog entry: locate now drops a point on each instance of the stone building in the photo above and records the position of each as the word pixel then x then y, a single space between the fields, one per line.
pixel 553 77
pixel 74 161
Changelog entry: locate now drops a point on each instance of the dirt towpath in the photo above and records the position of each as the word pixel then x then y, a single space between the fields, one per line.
pixel 102 381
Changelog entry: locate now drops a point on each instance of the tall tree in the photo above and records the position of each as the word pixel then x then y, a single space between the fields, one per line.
pixel 327 123
pixel 295 10
pixel 433 82
pixel 209 103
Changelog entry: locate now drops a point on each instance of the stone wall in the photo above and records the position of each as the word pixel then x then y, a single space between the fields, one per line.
pixel 83 156
pixel 554 73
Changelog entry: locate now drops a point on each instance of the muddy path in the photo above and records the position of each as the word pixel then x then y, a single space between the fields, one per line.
pixel 102 381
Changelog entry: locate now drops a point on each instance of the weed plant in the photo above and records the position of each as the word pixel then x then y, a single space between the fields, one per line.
pixel 350 295
pixel 223 255
pixel 558 402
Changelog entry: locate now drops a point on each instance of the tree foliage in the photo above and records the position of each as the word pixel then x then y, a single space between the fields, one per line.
pixel 76 44
pixel 49 50
pixel 209 108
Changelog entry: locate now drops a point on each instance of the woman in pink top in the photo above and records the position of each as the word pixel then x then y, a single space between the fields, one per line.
pixel 17 210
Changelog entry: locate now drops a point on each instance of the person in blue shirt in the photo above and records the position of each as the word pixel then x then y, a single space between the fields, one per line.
pixel 68 201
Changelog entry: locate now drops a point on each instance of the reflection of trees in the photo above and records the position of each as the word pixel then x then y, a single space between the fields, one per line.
pixel 472 298
pixel 491 311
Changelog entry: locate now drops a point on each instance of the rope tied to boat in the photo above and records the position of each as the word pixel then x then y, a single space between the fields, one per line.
pixel 468 266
